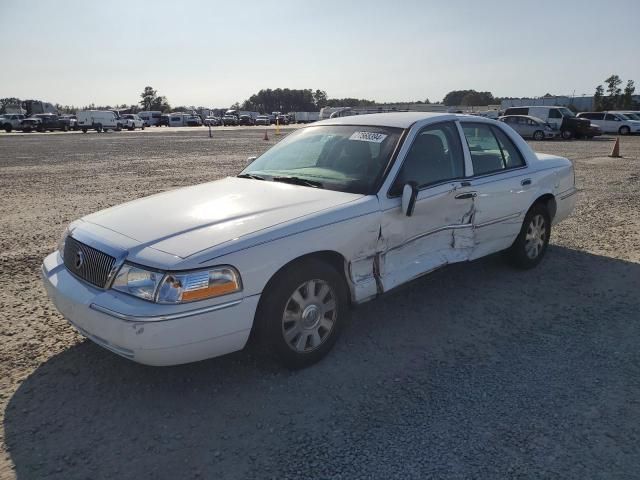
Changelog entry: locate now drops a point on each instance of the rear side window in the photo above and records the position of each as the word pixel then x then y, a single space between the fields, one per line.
pixel 555 113
pixel 491 150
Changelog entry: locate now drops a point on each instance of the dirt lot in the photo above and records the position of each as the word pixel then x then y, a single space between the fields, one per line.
pixel 477 371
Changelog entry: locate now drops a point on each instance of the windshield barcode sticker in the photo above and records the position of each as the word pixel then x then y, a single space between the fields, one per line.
pixel 368 137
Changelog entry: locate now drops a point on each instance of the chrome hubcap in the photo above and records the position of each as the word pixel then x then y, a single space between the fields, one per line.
pixel 309 316
pixel 536 236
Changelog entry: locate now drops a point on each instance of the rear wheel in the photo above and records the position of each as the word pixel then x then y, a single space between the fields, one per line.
pixel 99 128
pixel 538 135
pixel 624 130
pixel 84 130
pixel 532 241
pixel 566 134
pixel 302 313
pixel 7 127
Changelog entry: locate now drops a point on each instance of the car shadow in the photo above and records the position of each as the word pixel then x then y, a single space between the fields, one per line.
pixel 87 413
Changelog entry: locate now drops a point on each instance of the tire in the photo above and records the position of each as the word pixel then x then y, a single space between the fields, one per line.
pixel 624 130
pixel 566 135
pixel 65 128
pixel 7 128
pixel 531 244
pixel 99 128
pixel 142 127
pixel 131 129
pixel 538 135
pixel 290 319
pixel 84 130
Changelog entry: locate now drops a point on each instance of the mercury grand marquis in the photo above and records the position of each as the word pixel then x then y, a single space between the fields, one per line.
pixel 333 215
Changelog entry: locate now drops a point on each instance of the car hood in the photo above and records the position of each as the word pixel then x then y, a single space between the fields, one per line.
pixel 189 220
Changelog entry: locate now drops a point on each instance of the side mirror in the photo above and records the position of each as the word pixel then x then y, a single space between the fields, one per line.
pixel 409 195
pixel 250 160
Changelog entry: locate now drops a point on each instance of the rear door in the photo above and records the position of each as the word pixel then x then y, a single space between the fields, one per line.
pixel 612 123
pixel 503 183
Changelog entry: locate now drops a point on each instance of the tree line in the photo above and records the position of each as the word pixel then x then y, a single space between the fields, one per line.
pixel 616 98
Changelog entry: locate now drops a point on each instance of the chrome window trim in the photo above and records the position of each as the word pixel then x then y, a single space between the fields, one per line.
pixel 166 317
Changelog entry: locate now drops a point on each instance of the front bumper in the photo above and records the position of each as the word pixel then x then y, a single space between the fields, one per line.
pixel 145 332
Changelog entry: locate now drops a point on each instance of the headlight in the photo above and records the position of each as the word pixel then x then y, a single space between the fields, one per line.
pixel 181 287
pixel 199 285
pixel 137 281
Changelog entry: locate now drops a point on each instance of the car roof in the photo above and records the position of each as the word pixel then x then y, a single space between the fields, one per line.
pixel 391 119
pixel 531 117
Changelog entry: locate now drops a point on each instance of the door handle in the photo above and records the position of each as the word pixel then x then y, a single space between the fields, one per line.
pixel 526 181
pixel 466 195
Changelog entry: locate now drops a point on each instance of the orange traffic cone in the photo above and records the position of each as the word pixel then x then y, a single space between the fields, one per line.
pixel 266 136
pixel 615 153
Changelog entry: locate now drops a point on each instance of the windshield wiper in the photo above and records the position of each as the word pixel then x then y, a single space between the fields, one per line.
pixel 250 175
pixel 298 181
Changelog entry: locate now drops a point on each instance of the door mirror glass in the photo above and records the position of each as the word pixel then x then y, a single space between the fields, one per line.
pixel 409 195
pixel 250 160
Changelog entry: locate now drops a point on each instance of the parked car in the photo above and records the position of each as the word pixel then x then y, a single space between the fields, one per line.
pixel 150 117
pixel 11 121
pixel 331 216
pixel 530 127
pixel 131 121
pixel 560 118
pixel 212 121
pixel 263 120
pixel 193 121
pixel 98 120
pixel 612 122
pixel 230 120
pixel 282 120
pixel 246 120
pixel 43 122
pixel 164 120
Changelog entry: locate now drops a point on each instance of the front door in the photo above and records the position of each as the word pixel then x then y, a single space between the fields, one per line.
pixel 440 229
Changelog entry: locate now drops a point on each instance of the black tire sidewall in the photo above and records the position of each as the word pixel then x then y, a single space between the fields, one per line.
pixel 273 302
pixel 517 252
pixel 538 135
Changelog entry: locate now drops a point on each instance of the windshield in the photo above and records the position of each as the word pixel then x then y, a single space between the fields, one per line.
pixel 347 158
pixel 566 112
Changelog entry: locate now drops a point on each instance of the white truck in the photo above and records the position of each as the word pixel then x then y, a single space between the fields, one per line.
pixel 98 120
pixel 306 117
pixel 131 121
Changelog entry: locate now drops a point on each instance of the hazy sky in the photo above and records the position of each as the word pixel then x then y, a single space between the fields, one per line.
pixel 214 53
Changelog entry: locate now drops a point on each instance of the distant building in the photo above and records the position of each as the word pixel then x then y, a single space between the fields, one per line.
pixel 583 103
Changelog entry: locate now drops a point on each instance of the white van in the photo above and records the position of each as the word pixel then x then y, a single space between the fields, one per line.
pixel 150 118
pixel 100 120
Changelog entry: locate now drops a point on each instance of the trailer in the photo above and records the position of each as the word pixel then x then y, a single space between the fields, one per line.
pixel 306 117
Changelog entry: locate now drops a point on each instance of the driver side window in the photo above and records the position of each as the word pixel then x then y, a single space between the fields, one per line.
pixel 435 156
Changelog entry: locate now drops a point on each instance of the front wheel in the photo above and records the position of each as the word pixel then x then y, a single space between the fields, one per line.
pixel 538 135
pixel 302 313
pixel 142 128
pixel 624 130
pixel 532 241
pixel 566 134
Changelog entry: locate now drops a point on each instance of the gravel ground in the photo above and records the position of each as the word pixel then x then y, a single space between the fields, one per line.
pixel 476 371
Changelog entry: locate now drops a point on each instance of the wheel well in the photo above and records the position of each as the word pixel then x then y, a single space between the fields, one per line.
pixel 549 201
pixel 331 257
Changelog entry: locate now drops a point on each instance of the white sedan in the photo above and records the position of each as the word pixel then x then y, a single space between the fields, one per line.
pixel 335 214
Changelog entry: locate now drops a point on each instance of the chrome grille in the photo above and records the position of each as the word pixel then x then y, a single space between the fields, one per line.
pixel 87 263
